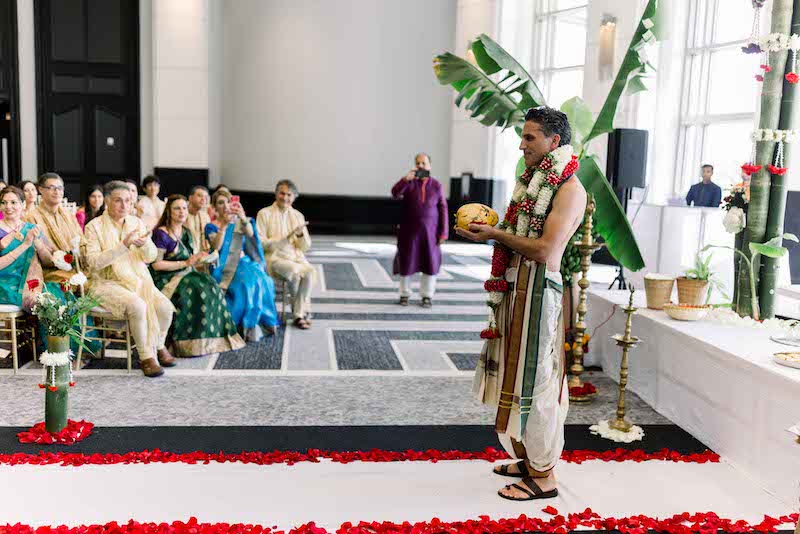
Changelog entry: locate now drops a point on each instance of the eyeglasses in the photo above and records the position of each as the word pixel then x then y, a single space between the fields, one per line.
pixel 53 187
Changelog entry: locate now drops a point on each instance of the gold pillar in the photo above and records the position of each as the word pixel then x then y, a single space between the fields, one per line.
pixel 586 246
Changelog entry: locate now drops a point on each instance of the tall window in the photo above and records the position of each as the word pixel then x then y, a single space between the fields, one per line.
pixel 548 37
pixel 719 93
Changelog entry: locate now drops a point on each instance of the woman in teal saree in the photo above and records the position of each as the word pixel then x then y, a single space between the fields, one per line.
pixel 203 324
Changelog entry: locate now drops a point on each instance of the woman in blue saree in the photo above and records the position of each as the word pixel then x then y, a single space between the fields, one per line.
pixel 241 269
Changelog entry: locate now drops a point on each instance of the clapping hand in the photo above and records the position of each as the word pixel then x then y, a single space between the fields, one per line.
pixel 134 239
pixel 300 229
pixel 194 258
pixel 32 235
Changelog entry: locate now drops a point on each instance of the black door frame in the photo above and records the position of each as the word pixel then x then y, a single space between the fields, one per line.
pixel 43 74
pixel 15 156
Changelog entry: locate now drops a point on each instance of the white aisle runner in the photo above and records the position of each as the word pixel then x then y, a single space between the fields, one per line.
pixel 331 494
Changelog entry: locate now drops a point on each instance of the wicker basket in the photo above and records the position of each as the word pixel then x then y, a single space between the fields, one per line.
pixel 658 292
pixel 691 291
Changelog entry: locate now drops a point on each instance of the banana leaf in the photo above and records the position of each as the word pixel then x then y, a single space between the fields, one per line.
pixel 613 225
pixel 492 58
pixel 580 120
pixel 631 62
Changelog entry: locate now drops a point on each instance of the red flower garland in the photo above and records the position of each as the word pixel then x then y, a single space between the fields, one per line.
pixel 553 178
pixel 511 213
pixel 749 168
pixel 570 168
pixel 547 163
pixel 527 206
pixel 496 285
pixel 500 259
pixel 779 171
pixel 703 522
pixel 490 333
pixel 74 432
pixel 792 77
pixel 490 454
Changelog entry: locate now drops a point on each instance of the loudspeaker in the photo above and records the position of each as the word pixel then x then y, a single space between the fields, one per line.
pixel 627 158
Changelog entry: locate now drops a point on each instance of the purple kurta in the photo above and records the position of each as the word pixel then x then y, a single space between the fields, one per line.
pixel 424 222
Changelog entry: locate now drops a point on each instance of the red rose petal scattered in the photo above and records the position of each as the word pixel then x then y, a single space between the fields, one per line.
pixel 550 510
pixel 489 454
pixel 705 523
pixel 74 432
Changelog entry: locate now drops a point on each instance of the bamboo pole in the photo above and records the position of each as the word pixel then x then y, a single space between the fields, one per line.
pixel 772 90
pixel 777 191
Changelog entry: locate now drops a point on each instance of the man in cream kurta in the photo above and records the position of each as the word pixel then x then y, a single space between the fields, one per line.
pixel 284 236
pixel 522 372
pixel 198 218
pixel 60 227
pixel 117 248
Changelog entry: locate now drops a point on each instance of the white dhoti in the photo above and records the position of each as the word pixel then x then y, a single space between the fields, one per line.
pixel 522 373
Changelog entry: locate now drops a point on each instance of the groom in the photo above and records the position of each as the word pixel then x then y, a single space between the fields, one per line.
pixel 522 366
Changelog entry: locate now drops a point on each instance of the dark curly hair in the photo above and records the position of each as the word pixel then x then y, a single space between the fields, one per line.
pixel 552 122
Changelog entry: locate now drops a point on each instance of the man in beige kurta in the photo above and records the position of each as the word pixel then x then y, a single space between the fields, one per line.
pixel 198 218
pixel 60 227
pixel 117 248
pixel 284 236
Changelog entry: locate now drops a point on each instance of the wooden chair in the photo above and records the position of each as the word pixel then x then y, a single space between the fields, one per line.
pixel 11 314
pixel 101 332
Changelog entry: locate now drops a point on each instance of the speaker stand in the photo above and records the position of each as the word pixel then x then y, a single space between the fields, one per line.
pixel 620 279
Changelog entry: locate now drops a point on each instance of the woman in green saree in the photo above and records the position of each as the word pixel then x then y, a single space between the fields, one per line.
pixel 203 324
pixel 21 248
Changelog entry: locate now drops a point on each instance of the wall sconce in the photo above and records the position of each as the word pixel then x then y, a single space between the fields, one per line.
pixel 608 37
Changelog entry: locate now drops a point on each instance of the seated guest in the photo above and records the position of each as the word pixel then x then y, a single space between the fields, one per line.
pixel 117 248
pixel 21 247
pixel 285 238
pixel 198 217
pixel 59 226
pixel 29 188
pixel 134 189
pixel 212 210
pixel 150 207
pixel 202 324
pixel 705 194
pixel 241 271
pixel 92 204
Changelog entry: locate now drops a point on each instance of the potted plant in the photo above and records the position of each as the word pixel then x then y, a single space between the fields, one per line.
pixel 695 287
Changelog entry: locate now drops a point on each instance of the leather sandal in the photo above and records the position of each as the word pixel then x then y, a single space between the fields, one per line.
pixel 503 470
pixel 301 323
pixel 534 493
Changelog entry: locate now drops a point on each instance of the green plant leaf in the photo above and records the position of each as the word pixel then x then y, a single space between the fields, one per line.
pixel 610 220
pixel 791 237
pixel 520 167
pixel 580 119
pixel 491 57
pixel 631 62
pixel 769 251
pixel 636 85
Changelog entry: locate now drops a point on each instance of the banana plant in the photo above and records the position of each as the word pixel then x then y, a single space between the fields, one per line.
pixel 497 91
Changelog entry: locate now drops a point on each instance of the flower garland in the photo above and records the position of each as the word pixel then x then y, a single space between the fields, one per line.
pixel 767 135
pixel 525 216
pixel 774 42
pixel 51 360
pixel 701 522
pixel 74 432
pixel 489 454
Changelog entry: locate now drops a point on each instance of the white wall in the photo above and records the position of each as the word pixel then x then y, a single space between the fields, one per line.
pixel 181 83
pixel 146 96
pixel 337 95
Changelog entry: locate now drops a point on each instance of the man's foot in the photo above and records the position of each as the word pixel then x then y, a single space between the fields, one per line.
pixel 426 302
pixel 529 489
pixel 165 358
pixel 302 324
pixel 403 301
pixel 150 368
pixel 518 470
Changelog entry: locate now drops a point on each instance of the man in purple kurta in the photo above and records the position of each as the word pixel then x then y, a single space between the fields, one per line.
pixel 424 227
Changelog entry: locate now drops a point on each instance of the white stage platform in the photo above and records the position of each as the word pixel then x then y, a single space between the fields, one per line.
pixel 717 382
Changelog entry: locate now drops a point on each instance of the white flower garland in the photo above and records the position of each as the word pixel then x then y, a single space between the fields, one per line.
pixel 775 42
pixel 726 316
pixel 55 359
pixel 603 430
pixel 779 136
